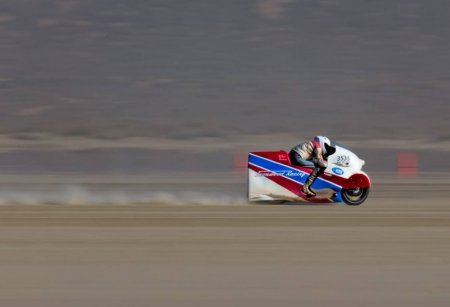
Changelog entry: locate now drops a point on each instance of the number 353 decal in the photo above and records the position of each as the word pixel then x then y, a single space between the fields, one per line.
pixel 343 160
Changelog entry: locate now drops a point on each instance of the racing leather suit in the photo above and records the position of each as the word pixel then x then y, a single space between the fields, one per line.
pixel 306 152
pixel 311 151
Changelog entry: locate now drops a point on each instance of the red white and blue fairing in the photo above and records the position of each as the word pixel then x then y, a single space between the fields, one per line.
pixel 272 177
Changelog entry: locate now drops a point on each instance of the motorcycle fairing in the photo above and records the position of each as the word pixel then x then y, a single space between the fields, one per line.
pixel 263 167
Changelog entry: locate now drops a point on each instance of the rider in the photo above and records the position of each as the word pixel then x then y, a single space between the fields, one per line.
pixel 314 154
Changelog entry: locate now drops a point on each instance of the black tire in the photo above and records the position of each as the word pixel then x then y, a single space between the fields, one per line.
pixel 355 197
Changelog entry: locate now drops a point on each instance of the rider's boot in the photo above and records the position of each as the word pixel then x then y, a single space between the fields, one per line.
pixel 309 181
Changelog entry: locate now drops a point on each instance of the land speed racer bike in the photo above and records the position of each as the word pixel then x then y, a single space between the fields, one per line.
pixel 272 177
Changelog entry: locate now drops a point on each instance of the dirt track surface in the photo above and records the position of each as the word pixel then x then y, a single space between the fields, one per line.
pixel 384 253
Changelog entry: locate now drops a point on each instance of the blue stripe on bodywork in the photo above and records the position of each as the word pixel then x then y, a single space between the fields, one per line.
pixel 284 170
pixel 293 174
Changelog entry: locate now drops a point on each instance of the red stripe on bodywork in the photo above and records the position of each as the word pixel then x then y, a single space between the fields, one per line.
pixel 290 185
pixel 357 180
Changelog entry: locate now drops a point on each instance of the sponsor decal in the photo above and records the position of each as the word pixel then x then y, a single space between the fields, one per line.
pixel 337 171
pixel 286 173
pixel 282 157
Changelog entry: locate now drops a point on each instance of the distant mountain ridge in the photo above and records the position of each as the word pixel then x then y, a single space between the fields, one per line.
pixel 184 69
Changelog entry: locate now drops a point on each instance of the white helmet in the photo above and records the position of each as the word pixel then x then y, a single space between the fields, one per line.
pixel 325 143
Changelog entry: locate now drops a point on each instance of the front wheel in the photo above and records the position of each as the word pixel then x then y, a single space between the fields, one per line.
pixel 355 197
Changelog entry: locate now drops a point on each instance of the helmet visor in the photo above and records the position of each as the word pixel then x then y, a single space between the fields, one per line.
pixel 330 150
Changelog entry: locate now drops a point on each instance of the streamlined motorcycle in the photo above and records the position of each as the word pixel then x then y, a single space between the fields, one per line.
pixel 273 178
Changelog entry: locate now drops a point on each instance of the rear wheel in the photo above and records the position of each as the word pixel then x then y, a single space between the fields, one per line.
pixel 355 197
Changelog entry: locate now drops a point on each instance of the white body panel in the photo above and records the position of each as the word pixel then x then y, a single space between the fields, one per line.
pixel 344 163
pixel 261 188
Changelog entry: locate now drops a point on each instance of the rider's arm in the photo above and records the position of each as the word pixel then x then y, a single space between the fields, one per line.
pixel 318 154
